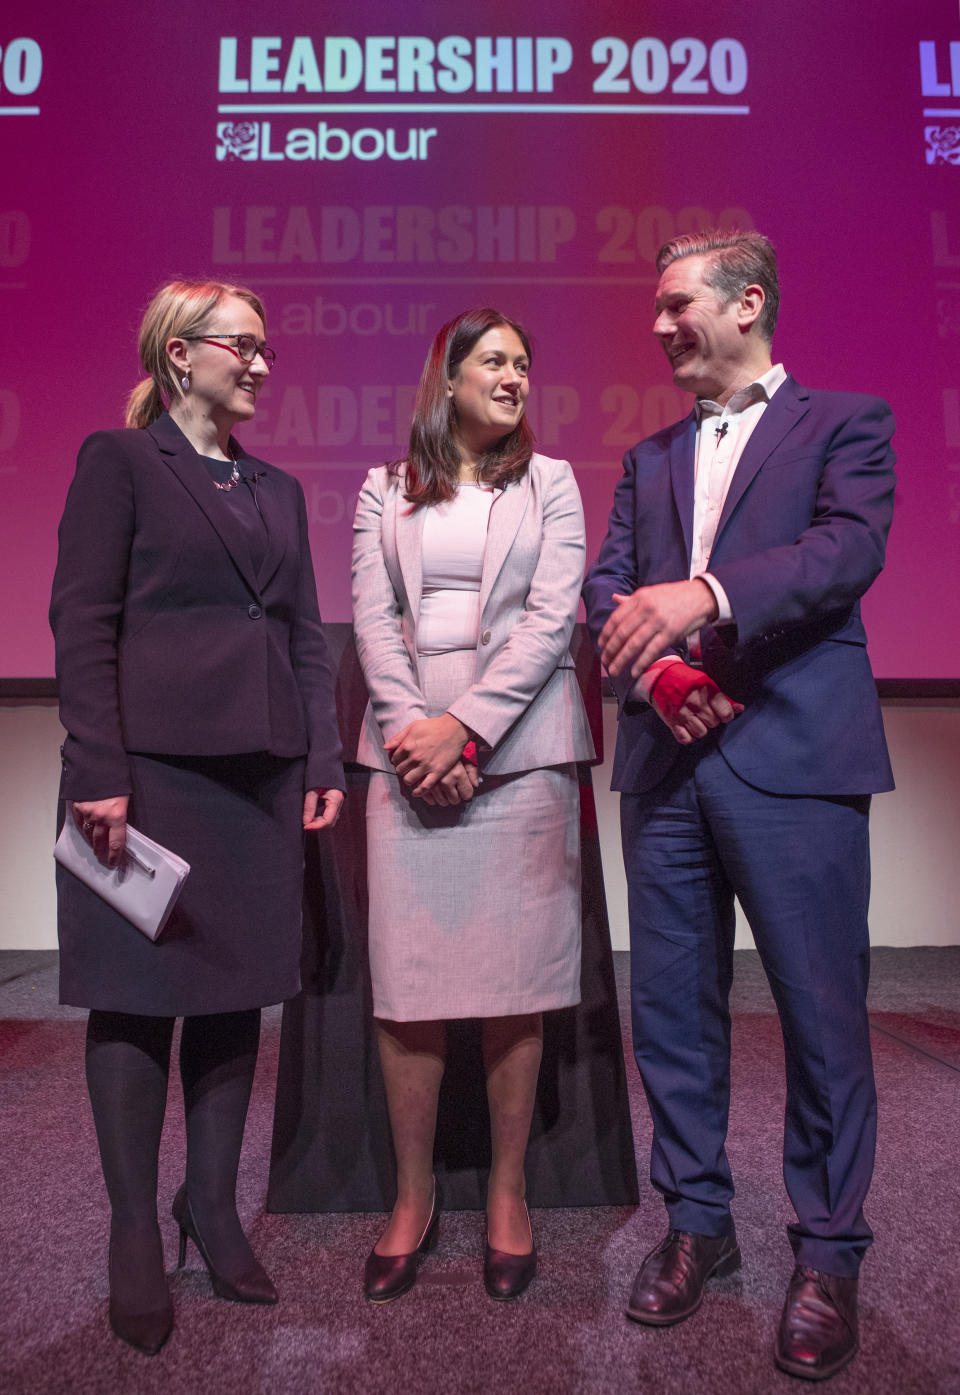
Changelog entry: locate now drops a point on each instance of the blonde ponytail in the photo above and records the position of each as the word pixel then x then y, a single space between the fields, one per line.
pixel 144 404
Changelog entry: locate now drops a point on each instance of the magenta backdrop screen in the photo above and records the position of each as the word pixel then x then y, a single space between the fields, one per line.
pixel 372 169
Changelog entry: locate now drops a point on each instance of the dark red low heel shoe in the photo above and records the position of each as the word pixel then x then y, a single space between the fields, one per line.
pixel 505 1276
pixel 386 1277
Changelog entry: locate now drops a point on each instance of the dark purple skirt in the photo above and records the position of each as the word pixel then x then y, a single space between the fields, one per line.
pixel 233 940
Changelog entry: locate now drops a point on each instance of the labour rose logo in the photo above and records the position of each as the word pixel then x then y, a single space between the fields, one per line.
pixel 943 145
pixel 237 140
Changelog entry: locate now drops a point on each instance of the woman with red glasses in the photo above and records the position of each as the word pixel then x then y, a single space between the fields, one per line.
pixel 197 696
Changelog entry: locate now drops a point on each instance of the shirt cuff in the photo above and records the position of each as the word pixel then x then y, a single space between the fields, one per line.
pixel 724 612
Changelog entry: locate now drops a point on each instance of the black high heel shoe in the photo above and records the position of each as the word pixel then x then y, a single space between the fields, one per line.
pixel 505 1276
pixel 145 1331
pixel 386 1277
pixel 254 1285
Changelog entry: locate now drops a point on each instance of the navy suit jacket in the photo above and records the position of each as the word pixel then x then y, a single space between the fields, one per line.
pixel 168 640
pixel 800 539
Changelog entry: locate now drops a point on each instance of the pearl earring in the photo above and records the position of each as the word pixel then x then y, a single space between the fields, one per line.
pixel 185 381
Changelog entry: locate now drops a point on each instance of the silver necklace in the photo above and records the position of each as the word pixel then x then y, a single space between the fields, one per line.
pixel 232 482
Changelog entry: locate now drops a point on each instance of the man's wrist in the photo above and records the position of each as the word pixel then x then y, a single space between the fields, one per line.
pixel 711 607
pixel 643 686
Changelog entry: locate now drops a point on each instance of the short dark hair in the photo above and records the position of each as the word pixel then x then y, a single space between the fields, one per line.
pixel 433 461
pixel 735 260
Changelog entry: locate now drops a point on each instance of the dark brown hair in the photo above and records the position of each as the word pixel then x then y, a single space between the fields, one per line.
pixel 433 461
pixel 735 260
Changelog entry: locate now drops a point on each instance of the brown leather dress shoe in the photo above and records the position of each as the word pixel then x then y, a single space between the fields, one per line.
pixel 669 1285
pixel 818 1326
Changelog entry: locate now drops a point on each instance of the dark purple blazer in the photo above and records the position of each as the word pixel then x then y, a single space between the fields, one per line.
pixel 800 539
pixel 168 640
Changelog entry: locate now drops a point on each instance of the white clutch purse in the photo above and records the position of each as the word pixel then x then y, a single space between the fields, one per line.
pixel 145 886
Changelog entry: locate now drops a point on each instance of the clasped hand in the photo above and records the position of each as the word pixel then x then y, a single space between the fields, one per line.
pixel 428 757
pixel 690 703
pixel 652 619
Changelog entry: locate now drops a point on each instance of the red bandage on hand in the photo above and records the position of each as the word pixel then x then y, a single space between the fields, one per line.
pixel 674 684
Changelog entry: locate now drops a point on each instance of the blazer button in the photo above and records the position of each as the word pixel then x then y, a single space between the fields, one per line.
pixel 254 612
pixel 486 637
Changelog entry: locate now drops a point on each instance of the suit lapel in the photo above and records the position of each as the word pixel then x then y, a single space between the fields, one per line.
pixel 408 536
pixel 683 449
pixel 784 411
pixel 268 502
pixel 506 511
pixel 180 457
pixel 406 528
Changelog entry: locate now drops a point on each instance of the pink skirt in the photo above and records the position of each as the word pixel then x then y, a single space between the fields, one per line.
pixel 474 909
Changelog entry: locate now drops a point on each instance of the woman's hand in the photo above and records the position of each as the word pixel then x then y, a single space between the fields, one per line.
pixel 427 750
pixel 456 787
pixel 103 822
pixel 321 808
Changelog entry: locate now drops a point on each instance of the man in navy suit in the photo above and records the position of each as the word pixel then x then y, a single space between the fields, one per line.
pixel 725 603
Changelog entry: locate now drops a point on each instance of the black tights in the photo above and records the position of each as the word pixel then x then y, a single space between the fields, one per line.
pixel 128 1062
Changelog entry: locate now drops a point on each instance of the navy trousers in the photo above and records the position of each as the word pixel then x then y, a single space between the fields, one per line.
pixel 800 867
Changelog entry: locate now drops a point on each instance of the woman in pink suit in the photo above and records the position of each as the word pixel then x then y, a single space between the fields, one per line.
pixel 468 561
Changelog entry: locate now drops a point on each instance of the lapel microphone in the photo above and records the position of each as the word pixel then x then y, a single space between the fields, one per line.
pixel 254 482
pixel 720 431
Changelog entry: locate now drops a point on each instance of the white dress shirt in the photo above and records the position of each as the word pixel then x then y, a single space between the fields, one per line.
pixel 722 435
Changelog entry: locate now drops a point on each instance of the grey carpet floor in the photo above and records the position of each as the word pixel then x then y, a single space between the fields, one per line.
pixel 567 1334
